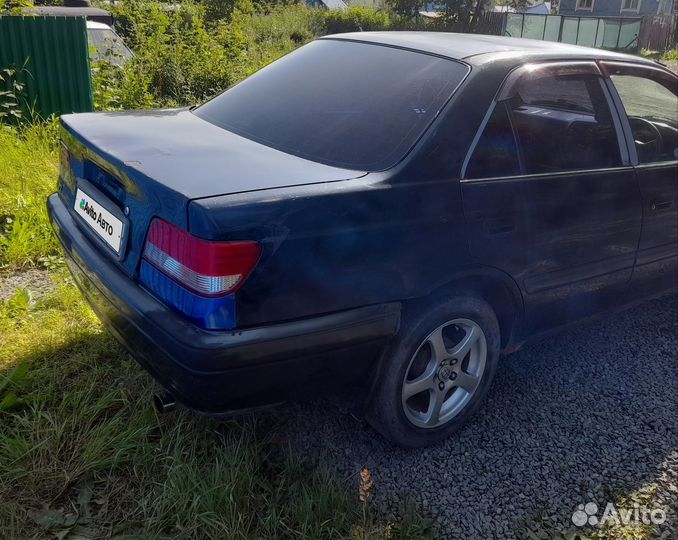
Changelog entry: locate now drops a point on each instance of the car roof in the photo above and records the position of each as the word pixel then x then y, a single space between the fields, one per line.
pixel 94 25
pixel 65 11
pixel 477 49
pixel 90 13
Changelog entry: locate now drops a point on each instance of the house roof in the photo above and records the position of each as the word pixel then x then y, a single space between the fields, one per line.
pixel 479 48
pixel 334 4
pixel 541 8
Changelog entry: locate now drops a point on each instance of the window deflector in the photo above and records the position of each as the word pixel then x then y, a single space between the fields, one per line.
pixel 530 72
pixel 657 74
pixel 535 71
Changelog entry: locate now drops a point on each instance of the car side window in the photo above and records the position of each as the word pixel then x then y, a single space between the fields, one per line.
pixel 551 123
pixel 564 123
pixel 652 111
pixel 496 153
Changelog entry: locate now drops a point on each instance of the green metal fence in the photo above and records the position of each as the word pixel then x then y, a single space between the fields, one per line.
pixel 603 32
pixel 50 57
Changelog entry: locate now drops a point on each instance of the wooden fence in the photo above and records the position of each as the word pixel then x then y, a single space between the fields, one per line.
pixel 658 33
pixel 492 23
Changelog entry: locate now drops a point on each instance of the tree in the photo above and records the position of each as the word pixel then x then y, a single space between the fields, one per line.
pixel 405 8
pixel 458 14
pixel 14 5
pixel 463 15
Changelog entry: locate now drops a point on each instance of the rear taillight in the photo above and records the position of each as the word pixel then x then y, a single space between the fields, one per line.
pixel 196 277
pixel 205 267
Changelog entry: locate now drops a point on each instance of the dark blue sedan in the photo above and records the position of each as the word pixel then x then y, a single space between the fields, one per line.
pixel 396 209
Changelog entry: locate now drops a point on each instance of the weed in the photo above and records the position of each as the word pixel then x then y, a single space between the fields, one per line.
pixel 670 55
pixel 8 399
pixel 10 108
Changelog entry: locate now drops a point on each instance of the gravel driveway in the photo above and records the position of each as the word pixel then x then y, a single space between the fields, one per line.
pixel 576 418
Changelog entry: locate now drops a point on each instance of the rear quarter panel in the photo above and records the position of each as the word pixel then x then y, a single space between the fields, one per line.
pixel 336 246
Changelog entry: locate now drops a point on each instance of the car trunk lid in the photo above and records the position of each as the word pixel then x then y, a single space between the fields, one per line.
pixel 194 158
pixel 153 163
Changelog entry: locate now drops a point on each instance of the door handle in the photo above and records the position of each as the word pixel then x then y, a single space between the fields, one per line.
pixel 501 229
pixel 660 205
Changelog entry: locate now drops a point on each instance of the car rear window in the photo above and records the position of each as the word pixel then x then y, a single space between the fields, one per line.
pixel 347 104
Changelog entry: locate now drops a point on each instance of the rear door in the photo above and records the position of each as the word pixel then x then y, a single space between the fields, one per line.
pixel 649 105
pixel 549 192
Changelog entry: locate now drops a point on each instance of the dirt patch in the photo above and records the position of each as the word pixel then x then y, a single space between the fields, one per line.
pixel 36 281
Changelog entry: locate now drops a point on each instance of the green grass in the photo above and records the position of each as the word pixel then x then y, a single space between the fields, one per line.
pixel 670 55
pixel 86 455
pixel 28 173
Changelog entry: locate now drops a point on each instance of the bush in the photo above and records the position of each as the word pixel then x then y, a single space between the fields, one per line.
pixel 269 35
pixel 354 19
pixel 178 59
pixel 186 53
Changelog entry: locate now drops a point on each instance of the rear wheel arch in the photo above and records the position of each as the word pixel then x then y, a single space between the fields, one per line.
pixel 490 285
pixel 398 414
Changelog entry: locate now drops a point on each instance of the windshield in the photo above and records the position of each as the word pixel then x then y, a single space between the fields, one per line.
pixel 353 105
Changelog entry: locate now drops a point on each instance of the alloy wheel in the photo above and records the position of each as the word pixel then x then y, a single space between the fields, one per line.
pixel 444 373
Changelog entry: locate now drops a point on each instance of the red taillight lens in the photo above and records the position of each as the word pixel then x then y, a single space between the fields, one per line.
pixel 206 267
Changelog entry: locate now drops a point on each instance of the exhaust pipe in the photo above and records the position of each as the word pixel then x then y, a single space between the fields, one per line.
pixel 164 402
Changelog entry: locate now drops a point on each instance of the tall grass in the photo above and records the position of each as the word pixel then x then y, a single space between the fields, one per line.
pixel 28 173
pixel 86 456
pixel 89 456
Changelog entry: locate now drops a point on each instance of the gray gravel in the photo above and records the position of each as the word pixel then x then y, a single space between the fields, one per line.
pixel 569 420
pixel 37 281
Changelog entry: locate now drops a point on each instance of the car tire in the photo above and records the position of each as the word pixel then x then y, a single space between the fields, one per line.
pixel 419 374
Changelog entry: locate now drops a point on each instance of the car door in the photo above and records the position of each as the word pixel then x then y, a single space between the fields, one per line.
pixel 647 98
pixel 549 192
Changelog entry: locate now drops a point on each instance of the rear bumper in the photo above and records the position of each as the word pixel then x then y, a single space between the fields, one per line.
pixel 215 371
